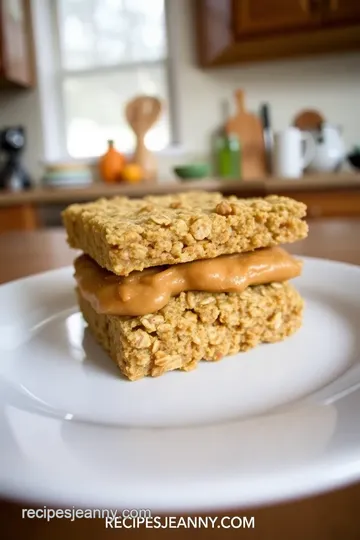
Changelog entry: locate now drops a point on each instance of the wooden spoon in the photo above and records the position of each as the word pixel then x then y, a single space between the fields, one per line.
pixel 142 113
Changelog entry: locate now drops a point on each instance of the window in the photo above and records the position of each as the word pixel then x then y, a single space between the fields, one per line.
pixel 109 52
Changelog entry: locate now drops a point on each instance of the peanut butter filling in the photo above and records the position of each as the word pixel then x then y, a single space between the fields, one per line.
pixel 142 293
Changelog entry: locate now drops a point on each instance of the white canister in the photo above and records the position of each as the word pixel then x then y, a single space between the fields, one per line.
pixel 292 153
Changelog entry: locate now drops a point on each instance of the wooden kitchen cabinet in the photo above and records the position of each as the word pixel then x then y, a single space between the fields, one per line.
pixel 22 217
pixel 339 11
pixel 271 16
pixel 339 203
pixel 16 53
pixel 235 31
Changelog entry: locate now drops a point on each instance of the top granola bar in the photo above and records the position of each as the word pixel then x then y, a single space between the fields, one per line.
pixel 123 234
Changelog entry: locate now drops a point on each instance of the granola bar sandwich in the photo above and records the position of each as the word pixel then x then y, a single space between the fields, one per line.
pixel 167 281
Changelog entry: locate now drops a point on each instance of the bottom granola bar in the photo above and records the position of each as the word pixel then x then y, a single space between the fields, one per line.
pixel 196 326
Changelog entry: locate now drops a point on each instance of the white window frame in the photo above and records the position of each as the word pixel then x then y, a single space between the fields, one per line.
pixel 51 76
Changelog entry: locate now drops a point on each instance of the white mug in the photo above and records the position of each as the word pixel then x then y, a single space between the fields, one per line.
pixel 293 151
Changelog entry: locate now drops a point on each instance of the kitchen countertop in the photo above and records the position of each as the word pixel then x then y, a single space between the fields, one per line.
pixel 308 183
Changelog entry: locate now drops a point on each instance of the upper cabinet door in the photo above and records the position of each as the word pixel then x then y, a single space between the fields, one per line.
pixel 342 11
pixel 272 16
pixel 15 45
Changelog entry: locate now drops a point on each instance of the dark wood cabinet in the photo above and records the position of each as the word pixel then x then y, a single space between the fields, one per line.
pixel 16 53
pixel 340 11
pixel 270 16
pixel 233 31
pixel 19 218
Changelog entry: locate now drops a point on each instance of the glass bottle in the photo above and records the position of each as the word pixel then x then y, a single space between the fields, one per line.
pixel 228 156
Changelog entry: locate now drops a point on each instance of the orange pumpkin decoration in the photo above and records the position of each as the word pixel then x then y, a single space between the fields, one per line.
pixel 111 164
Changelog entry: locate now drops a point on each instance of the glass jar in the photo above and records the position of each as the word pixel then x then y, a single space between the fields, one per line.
pixel 228 156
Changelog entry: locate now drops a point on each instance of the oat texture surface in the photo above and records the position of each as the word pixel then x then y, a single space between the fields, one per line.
pixel 124 235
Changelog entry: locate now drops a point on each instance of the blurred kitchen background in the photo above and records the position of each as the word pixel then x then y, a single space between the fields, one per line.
pixel 132 97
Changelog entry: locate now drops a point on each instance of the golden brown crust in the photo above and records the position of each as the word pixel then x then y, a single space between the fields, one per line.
pixel 124 234
pixel 195 326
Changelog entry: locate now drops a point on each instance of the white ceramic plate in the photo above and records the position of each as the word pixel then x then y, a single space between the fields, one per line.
pixel 278 422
